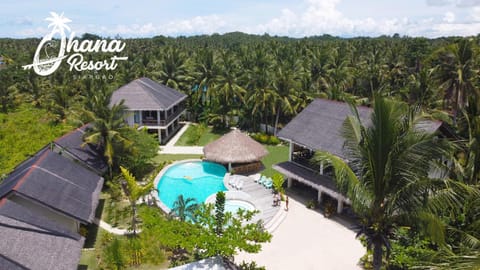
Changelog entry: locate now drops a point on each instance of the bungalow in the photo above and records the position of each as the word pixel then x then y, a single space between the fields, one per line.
pixel 152 105
pixel 71 146
pixel 32 241
pixel 316 128
pixel 55 187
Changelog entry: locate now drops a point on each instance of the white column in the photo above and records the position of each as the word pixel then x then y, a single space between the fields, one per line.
pixel 159 135
pixel 290 151
pixel 321 167
pixel 339 205
pixel 289 182
pixel 158 118
pixel 229 167
pixel 319 197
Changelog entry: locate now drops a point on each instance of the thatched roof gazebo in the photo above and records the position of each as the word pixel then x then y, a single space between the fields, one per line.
pixel 234 147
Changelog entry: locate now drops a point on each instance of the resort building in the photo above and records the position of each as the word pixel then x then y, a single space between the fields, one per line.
pixel 89 156
pixel 153 106
pixel 318 127
pixel 43 202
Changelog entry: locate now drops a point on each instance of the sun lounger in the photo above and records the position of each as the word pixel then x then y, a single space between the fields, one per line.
pixel 262 180
pixel 231 180
pixel 240 185
pixel 268 183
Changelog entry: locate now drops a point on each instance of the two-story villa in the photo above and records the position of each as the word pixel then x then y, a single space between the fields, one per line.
pixel 152 105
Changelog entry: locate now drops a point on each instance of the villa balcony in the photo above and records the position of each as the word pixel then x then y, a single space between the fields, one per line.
pixel 153 121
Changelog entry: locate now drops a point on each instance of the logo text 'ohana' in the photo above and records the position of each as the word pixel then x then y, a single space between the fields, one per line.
pixel 45 64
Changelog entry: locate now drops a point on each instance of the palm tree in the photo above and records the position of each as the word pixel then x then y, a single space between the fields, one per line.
pixel 184 209
pixel 387 174
pixel 106 133
pixel 228 92
pixel 173 69
pixel 134 192
pixel 286 85
pixel 455 74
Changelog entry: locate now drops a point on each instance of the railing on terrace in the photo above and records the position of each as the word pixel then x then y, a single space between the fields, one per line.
pixel 155 122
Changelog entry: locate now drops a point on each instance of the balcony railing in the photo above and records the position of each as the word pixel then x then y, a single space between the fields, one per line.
pixel 154 122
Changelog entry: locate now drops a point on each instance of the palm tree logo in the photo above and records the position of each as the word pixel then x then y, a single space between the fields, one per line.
pixel 48 65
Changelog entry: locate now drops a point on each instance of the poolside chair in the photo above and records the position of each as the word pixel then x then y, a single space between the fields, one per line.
pixel 235 182
pixel 240 185
pixel 256 177
pixel 262 180
pixel 231 180
pixel 268 183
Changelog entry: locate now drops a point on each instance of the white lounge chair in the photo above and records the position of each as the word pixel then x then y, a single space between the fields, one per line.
pixel 256 177
pixel 240 185
pixel 231 180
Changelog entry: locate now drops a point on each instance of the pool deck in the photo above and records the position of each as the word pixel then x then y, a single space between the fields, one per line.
pixel 261 197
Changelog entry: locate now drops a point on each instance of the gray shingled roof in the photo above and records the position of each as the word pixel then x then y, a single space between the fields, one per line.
pixel 56 182
pixel 145 94
pixel 89 154
pixel 30 241
pixel 318 126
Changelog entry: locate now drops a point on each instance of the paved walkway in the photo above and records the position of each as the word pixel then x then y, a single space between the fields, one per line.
pixel 306 240
pixel 170 147
pixel 107 227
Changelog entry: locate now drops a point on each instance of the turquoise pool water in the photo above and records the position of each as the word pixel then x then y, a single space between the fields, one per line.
pixel 196 179
pixel 233 206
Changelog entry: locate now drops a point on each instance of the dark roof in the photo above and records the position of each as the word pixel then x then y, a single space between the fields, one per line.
pixel 318 125
pixel 31 241
pixel 145 94
pixel 56 182
pixel 89 154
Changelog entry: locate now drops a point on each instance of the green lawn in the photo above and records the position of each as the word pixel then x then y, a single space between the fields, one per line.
pixel 275 155
pixel 206 137
pixel 88 260
pixel 174 157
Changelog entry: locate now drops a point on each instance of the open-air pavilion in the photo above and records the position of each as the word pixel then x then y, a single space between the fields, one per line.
pixel 237 150
pixel 318 128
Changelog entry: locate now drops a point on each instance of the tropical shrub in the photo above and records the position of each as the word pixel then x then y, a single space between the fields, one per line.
pixel 277 183
pixel 265 138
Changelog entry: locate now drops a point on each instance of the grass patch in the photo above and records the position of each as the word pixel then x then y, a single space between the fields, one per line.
pixel 276 154
pixel 88 260
pixel 174 157
pixel 23 132
pixel 197 135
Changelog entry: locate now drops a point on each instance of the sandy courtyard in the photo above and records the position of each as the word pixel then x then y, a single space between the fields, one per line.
pixel 306 240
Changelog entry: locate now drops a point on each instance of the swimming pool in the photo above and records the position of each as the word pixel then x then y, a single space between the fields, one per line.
pixel 193 179
pixel 233 205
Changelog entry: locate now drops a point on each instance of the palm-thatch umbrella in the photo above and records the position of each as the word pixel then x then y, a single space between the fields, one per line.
pixel 234 147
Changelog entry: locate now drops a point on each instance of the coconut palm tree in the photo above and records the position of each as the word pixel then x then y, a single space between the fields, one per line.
pixel 228 93
pixel 184 209
pixel 387 174
pixel 173 69
pixel 106 133
pixel 455 74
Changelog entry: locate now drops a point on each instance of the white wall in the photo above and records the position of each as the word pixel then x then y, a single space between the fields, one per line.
pixel 44 211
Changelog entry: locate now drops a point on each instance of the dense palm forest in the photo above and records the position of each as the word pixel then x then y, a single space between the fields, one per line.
pixel 264 79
